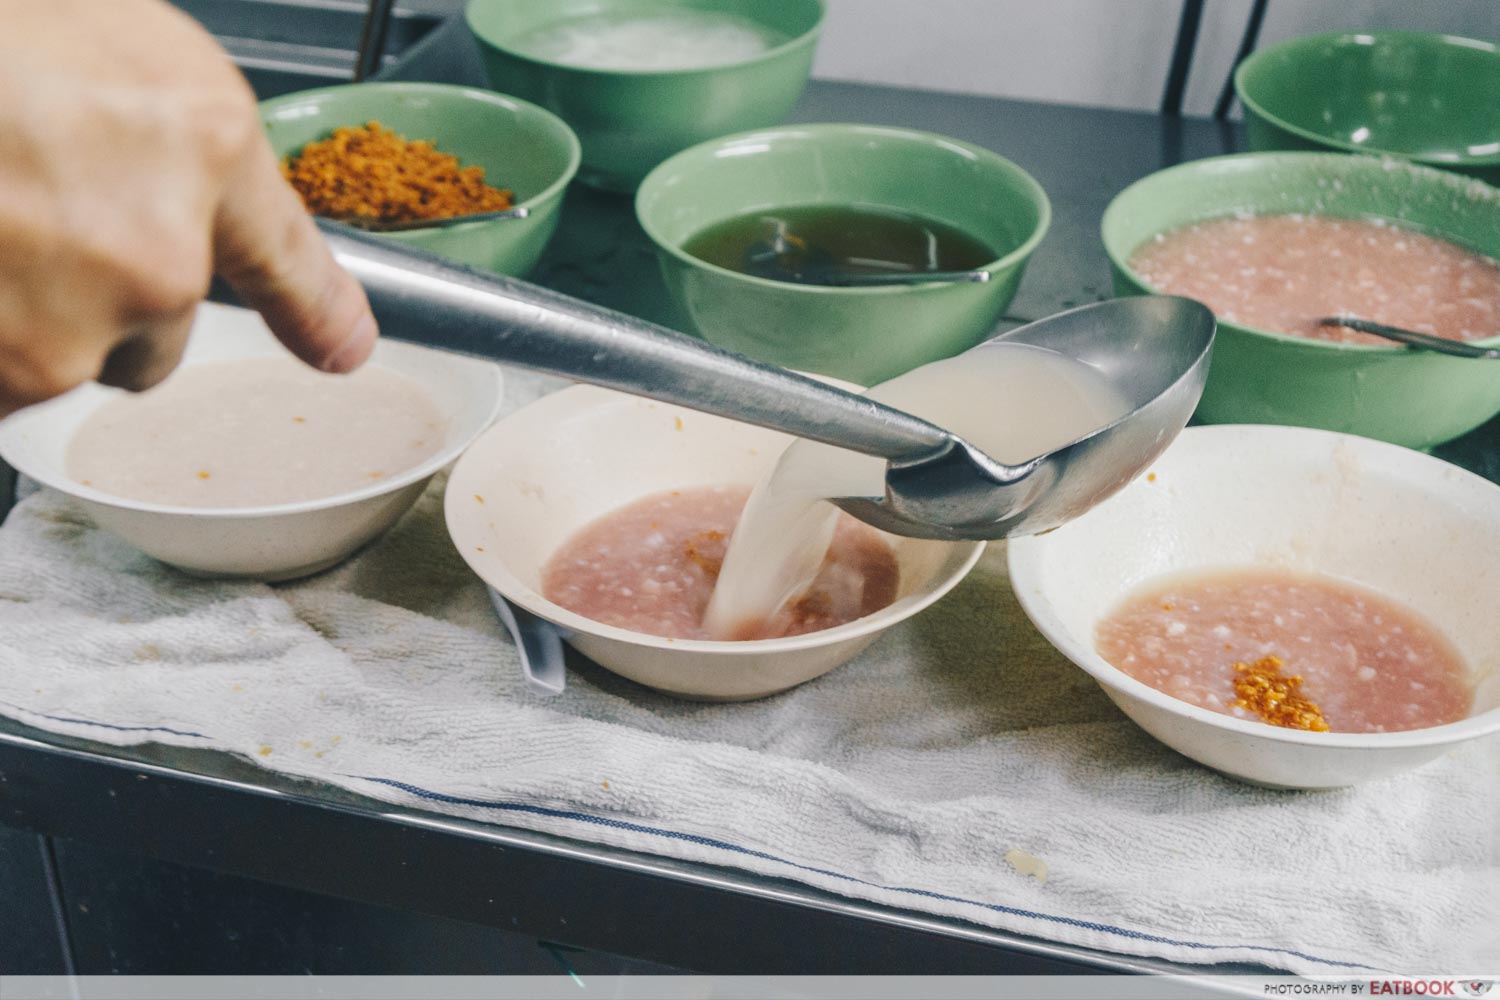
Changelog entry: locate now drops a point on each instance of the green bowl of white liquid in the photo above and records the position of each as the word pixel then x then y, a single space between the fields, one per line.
pixel 638 80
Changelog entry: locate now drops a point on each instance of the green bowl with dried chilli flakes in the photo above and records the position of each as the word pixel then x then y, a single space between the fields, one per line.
pixel 521 147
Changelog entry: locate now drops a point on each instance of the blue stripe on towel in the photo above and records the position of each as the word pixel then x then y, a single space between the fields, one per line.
pixel 722 845
pixel 104 725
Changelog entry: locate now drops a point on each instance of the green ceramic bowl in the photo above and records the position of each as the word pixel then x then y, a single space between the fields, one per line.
pixel 519 145
pixel 1434 99
pixel 631 120
pixel 864 335
pixel 1413 398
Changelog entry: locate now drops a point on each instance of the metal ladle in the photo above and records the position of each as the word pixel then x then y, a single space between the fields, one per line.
pixel 1154 349
pixel 446 222
pixel 784 257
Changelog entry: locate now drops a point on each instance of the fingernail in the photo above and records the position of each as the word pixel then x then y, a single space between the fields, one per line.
pixel 355 348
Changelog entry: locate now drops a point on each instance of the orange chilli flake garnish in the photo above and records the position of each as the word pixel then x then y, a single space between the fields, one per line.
pixel 1261 688
pixel 371 172
pixel 696 555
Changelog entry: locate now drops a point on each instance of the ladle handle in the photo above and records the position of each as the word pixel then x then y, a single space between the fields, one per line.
pixel 419 297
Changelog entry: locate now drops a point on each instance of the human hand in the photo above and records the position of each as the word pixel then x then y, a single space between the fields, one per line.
pixel 132 168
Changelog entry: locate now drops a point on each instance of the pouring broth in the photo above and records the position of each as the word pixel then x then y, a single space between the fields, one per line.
pixel 1013 401
pixel 712 564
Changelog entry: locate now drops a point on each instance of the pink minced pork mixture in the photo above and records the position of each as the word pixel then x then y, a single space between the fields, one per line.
pixel 1282 272
pixel 651 567
pixel 1368 663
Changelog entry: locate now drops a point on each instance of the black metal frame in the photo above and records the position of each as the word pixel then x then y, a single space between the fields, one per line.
pixel 688 916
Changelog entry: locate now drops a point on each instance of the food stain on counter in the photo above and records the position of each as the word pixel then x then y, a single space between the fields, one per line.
pixel 1027 864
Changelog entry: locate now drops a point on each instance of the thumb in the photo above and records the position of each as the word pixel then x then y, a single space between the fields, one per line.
pixel 267 248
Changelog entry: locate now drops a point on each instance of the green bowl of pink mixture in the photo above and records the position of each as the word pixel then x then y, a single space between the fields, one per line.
pixel 1409 397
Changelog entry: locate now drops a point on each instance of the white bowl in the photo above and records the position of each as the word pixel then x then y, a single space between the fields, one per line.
pixel 1408 525
pixel 277 542
pixel 550 468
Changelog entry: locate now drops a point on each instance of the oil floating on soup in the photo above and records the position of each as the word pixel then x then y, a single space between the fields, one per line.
pixel 1282 272
pixel 818 244
pixel 649 39
pixel 1288 648
pixel 650 567
pixel 256 432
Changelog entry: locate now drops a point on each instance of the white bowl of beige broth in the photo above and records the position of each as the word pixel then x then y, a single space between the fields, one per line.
pixel 1361 582
pixel 527 486
pixel 246 463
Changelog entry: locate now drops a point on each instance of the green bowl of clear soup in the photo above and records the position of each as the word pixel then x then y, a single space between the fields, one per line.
pixel 1262 376
pixel 880 197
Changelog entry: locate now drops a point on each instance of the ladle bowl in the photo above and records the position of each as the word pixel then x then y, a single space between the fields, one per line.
pixel 1155 350
pixel 937 485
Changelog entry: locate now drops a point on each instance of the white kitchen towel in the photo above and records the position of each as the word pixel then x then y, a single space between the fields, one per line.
pixel 904 777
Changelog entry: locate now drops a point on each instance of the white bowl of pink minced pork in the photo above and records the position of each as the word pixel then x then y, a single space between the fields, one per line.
pixel 1408 526
pixel 540 474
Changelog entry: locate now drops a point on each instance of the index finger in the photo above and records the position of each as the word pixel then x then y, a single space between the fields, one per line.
pixel 267 248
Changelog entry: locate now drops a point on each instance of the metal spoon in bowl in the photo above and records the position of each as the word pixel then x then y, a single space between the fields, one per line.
pixel 538 645
pixel 1411 338
pixel 787 258
pixel 376 226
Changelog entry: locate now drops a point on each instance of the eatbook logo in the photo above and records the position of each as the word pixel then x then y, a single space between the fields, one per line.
pixel 1476 987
